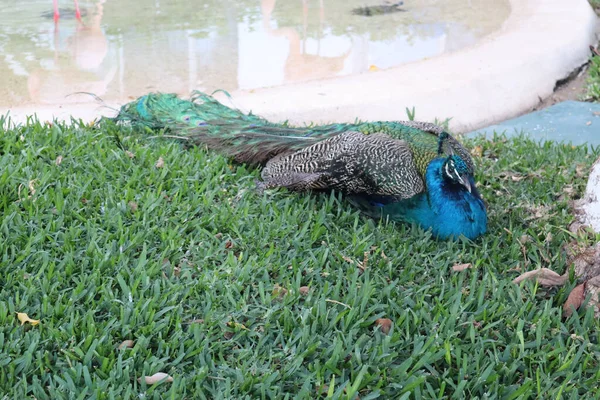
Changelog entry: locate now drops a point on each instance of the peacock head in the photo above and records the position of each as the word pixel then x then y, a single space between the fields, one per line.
pixel 456 171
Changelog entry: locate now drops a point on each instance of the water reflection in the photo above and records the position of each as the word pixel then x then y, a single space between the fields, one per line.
pixel 125 48
pixel 75 66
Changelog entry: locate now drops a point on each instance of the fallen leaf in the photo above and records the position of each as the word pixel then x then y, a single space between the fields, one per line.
pixel 477 151
pixel 514 176
pixel 133 205
pixel 228 244
pixel 568 189
pixel 237 325
pixel 129 154
pixel 157 377
pixel 126 344
pixel 31 187
pixel 160 163
pixel 279 291
pixel 23 317
pixel 461 267
pixel 304 290
pixel 545 277
pixel 228 335
pixel 525 239
pixel 385 324
pixel 538 212
pixel 197 321
pixel 574 300
pixel 58 160
pixel 177 271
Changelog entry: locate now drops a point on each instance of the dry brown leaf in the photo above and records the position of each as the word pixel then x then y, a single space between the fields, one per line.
pixel 477 151
pixel 304 290
pixel 568 189
pixel 197 321
pixel 237 325
pixel 157 377
pixel 228 335
pixel 31 187
pixel 279 291
pixel 126 344
pixel 133 205
pixel 129 154
pixel 461 267
pixel 574 300
pixel 160 163
pixel 23 317
pixel 385 324
pixel 514 176
pixel 58 160
pixel 545 277
pixel 538 212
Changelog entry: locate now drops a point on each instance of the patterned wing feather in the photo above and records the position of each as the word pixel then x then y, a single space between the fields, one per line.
pixel 352 163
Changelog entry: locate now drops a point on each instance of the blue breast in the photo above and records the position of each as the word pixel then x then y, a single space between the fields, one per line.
pixel 448 209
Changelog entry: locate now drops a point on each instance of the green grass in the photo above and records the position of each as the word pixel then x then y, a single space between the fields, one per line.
pixel 97 271
pixel 593 90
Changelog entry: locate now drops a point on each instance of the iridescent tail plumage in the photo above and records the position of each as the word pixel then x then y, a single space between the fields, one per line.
pixel 248 138
pixel 407 170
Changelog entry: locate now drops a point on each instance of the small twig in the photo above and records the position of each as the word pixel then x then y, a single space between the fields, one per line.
pixel 339 303
pixel 170 137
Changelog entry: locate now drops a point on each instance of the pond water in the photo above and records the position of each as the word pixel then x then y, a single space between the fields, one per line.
pixel 125 48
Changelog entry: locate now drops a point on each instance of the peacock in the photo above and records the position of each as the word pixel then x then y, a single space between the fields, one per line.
pixel 407 171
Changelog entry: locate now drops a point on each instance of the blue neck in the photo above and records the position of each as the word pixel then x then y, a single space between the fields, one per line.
pixel 447 208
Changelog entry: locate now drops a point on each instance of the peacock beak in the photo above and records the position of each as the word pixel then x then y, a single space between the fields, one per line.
pixel 464 180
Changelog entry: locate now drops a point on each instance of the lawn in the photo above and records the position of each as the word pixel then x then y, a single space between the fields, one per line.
pixel 593 91
pixel 110 236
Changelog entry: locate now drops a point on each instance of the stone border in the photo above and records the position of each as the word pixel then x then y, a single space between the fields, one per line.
pixel 501 76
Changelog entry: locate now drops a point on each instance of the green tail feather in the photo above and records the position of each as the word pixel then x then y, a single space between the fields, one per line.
pixel 204 121
pixel 246 137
